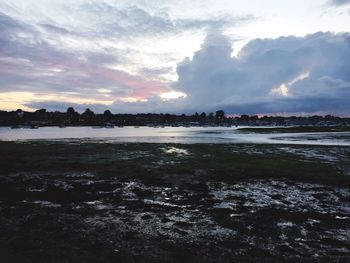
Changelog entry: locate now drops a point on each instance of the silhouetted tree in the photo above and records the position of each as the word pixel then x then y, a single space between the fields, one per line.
pixel 88 116
pixel 220 114
pixel 203 117
pixel 72 117
pixel 107 113
pixel 196 117
pixel 244 117
pixel 41 111
pixel 71 111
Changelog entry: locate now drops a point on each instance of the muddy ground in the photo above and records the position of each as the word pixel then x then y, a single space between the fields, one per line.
pixel 73 202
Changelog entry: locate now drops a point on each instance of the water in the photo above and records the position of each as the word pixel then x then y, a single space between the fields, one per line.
pixel 173 135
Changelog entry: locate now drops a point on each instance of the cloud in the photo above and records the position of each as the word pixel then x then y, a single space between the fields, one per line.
pixel 75 51
pixel 284 75
pixel 91 45
pixel 29 63
pixel 127 22
pixel 152 105
pixel 287 74
pixel 338 2
pixel 218 22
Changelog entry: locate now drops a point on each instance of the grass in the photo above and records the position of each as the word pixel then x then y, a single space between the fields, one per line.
pixel 224 161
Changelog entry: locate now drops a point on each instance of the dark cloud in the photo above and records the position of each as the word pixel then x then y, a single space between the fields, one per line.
pixel 339 2
pixel 7 24
pixel 311 105
pixel 287 74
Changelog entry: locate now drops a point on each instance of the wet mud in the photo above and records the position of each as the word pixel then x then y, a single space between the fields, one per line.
pixel 85 217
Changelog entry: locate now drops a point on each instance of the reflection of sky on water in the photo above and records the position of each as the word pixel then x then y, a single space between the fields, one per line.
pixel 174 135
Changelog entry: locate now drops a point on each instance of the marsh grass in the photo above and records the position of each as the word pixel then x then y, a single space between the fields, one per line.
pixel 217 161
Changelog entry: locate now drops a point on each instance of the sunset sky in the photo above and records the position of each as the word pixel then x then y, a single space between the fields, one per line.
pixel 253 56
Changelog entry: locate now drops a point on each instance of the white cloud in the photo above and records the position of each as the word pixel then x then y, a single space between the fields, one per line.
pixel 284 88
pixel 172 95
pixel 285 74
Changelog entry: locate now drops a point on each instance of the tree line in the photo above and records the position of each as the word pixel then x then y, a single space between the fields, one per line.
pixel 71 117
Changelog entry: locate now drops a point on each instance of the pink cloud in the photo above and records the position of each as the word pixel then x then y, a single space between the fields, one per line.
pixel 79 73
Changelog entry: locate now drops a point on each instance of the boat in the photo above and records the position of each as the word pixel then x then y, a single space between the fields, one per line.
pixel 108 125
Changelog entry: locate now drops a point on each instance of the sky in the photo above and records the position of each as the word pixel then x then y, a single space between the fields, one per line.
pixel 275 57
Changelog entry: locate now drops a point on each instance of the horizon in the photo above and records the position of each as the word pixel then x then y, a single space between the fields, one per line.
pixel 138 57
pixel 226 115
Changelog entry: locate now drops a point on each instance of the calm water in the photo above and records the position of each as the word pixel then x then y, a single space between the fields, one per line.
pixel 173 135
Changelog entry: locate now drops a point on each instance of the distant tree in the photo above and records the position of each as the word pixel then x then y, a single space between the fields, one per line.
pixel 40 115
pixel 107 113
pixel 254 117
pixel 19 113
pixel 41 111
pixel 167 118
pixel 88 116
pixel 220 114
pixel 88 112
pixel 70 111
pixel 329 117
pixel 72 117
pixel 196 117
pixel 203 117
pixel 107 116
pixel 244 117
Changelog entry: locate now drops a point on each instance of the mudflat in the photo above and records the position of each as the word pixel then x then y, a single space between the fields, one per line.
pixel 81 201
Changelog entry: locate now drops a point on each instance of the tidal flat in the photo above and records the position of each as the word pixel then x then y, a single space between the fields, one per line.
pixel 86 201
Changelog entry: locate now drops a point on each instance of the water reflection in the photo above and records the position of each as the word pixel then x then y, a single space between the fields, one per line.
pixel 174 135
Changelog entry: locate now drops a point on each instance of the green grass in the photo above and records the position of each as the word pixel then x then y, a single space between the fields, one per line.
pixel 218 161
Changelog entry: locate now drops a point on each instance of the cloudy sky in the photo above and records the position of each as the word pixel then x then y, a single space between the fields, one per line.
pixel 177 56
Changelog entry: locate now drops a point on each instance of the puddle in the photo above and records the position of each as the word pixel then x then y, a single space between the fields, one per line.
pixel 175 151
